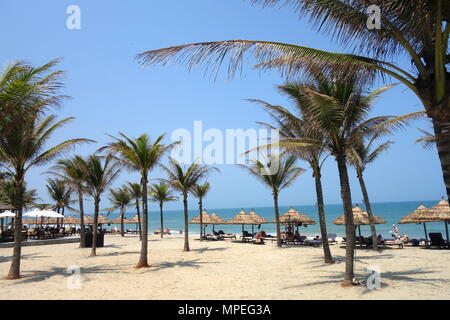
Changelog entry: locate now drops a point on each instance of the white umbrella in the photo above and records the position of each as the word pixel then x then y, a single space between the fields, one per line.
pixel 52 214
pixel 35 214
pixel 7 214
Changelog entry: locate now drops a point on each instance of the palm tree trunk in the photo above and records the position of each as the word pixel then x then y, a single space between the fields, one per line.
pixel 322 220
pixel 14 270
pixel 277 218
pixel 122 225
pixel 186 222
pixel 349 226
pixel 139 218
pixel 82 233
pixel 143 260
pixel 162 218
pixel 373 231
pixel 94 232
pixel 200 206
pixel 442 134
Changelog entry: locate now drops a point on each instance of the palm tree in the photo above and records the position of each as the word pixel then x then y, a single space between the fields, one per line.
pixel 183 180
pixel 99 176
pixel 60 193
pixel 360 155
pixel 161 193
pixel 8 195
pixel 276 180
pixel 420 31
pixel 339 109
pixel 72 172
pixel 135 190
pixel 120 199
pixel 25 94
pixel 139 155
pixel 291 127
pixel 200 191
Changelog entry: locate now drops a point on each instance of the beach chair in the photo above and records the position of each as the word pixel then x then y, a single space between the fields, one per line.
pixel 332 238
pixel 436 240
pixel 229 236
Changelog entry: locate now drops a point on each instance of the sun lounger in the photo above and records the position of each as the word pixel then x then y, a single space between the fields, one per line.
pixel 436 240
pixel 332 238
pixel 229 236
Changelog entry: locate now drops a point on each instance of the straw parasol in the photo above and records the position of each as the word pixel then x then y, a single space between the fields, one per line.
pixel 360 218
pixel 206 219
pixel 243 219
pixel 260 220
pixel 88 220
pixel 216 219
pixel 72 220
pixel 295 217
pixel 104 220
pixel 439 213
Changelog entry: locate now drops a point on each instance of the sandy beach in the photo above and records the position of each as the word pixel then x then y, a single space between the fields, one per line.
pixel 221 270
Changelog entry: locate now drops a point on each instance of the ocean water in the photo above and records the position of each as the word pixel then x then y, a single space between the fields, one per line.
pixel 392 212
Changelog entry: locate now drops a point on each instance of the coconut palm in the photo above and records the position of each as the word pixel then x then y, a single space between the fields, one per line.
pixel 339 109
pixel 277 173
pixel 8 195
pixel 420 31
pixel 72 172
pixel 428 140
pixel 60 193
pixel 99 174
pixel 120 199
pixel 184 179
pixel 135 190
pixel 161 193
pixel 200 191
pixel 293 126
pixel 140 155
pixel 22 149
pixel 361 154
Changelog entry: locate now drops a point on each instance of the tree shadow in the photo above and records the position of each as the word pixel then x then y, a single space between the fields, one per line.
pixel 201 250
pixel 32 256
pixel 117 253
pixel 40 275
pixel 196 264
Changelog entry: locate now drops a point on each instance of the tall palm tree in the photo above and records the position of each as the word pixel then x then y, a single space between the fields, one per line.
pixel 60 193
pixel 293 126
pixel 8 195
pixel 140 155
pixel 99 176
pixel 120 199
pixel 282 178
pixel 72 172
pixel 25 94
pixel 420 31
pixel 183 180
pixel 135 190
pixel 161 193
pixel 200 191
pixel 339 109
pixel 361 154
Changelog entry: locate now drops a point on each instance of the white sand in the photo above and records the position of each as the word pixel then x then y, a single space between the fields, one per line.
pixel 221 270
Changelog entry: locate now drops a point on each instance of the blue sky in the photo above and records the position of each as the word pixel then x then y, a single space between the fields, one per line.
pixel 111 92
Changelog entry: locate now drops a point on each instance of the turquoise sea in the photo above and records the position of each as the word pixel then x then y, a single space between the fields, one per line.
pixel 392 212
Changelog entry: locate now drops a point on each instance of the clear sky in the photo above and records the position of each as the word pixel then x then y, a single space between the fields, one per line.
pixel 111 92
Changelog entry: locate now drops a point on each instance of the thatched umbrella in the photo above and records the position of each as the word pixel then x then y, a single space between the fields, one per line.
pixel 360 218
pixel 71 220
pixel 88 220
pixel 206 219
pixel 243 219
pixel 258 219
pixel 134 220
pixel 418 216
pixel 104 220
pixel 439 213
pixel 295 217
pixel 216 219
